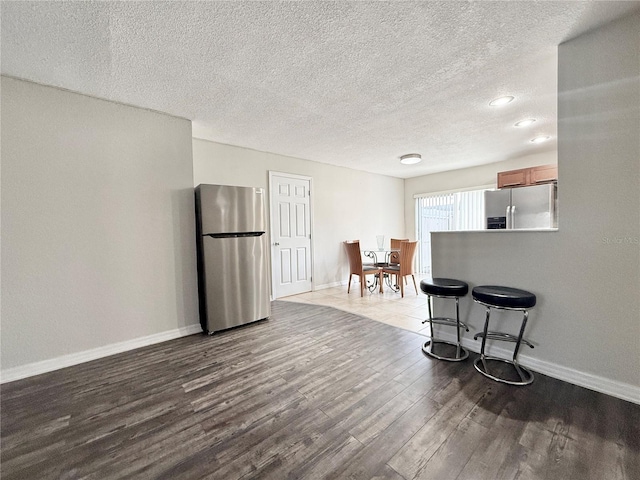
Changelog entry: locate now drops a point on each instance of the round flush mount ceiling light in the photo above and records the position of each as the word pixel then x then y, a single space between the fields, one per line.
pixel 410 158
pixel 498 102
pixel 525 123
pixel 540 139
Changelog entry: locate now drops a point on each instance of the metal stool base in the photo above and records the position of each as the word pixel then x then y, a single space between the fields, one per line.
pixel 461 352
pixel 526 377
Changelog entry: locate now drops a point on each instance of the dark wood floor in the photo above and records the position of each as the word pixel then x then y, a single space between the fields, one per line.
pixel 311 393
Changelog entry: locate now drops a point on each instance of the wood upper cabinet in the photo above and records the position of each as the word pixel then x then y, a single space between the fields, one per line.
pixel 544 174
pixel 513 178
pixel 528 176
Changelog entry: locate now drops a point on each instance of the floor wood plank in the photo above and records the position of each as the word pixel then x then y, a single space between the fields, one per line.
pixel 312 393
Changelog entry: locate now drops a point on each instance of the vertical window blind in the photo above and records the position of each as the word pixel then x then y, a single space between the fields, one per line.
pixel 447 211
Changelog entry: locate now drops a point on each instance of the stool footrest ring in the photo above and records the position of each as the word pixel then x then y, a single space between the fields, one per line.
pixel 460 355
pixel 526 377
pixel 452 322
pixel 505 337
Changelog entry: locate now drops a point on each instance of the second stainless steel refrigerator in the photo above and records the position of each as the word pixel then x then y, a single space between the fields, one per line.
pixel 232 248
pixel 523 207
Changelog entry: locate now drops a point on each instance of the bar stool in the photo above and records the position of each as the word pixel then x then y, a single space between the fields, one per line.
pixel 445 288
pixel 503 298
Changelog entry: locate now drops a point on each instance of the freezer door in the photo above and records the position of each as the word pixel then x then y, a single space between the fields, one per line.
pixel 224 209
pixel 235 276
pixel 533 207
pixel 495 207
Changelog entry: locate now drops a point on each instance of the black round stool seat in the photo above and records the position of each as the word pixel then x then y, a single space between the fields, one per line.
pixel 503 297
pixel 444 287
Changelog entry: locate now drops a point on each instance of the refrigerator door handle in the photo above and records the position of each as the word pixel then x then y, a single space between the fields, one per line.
pixel 234 234
pixel 508 217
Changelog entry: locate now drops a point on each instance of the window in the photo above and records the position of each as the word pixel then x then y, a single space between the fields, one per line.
pixel 446 211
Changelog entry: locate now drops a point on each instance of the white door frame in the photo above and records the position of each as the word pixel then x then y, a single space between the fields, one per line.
pixel 272 227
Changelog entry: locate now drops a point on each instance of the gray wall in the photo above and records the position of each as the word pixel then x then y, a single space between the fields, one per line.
pixel 347 204
pixel 97 225
pixel 586 325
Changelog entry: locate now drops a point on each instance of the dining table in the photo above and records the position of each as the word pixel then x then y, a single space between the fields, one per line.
pixel 376 255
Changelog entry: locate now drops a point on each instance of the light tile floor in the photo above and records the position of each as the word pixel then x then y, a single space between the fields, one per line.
pixel 388 307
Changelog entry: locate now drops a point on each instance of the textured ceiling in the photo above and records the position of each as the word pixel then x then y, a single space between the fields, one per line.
pixel 346 83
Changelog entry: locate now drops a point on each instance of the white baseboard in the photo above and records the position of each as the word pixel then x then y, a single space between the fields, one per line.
pixel 624 391
pixel 328 285
pixel 614 388
pixel 36 368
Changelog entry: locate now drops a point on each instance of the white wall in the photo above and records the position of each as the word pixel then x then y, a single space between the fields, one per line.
pixel 586 276
pixel 347 204
pixel 464 179
pixel 98 241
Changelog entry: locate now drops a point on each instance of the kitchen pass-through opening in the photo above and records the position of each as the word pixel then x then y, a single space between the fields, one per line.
pixel 444 212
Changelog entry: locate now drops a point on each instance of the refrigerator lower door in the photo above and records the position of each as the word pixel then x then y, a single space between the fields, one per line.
pixel 235 275
pixel 533 207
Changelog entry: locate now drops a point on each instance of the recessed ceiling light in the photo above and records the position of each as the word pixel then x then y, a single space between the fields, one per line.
pixel 410 158
pixel 540 139
pixel 525 123
pixel 497 102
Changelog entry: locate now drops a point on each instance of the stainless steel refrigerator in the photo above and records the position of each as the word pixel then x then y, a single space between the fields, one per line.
pixel 522 207
pixel 233 276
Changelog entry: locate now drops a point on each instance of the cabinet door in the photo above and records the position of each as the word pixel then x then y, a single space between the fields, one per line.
pixel 544 174
pixel 513 178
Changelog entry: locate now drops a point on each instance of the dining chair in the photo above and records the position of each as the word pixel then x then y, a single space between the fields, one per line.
pixel 357 268
pixel 394 256
pixel 365 262
pixel 405 265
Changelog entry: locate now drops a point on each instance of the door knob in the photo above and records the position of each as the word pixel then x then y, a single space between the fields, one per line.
pixel 276 244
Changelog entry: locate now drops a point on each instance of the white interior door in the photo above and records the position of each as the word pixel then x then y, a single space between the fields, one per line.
pixel 290 206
